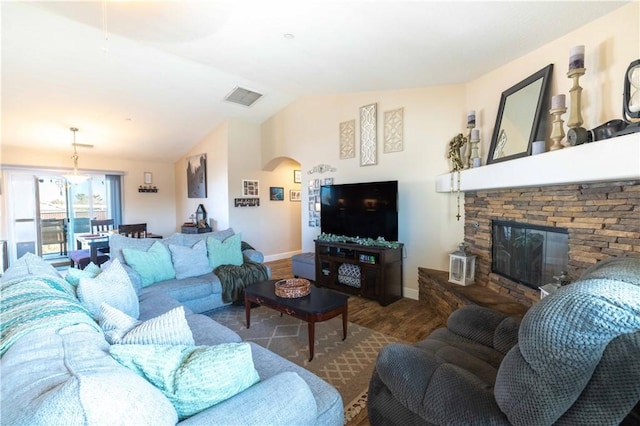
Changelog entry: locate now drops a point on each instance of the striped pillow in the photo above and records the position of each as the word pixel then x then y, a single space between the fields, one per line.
pixel 170 328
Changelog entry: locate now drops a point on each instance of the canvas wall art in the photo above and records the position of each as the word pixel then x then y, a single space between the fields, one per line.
pixel 197 176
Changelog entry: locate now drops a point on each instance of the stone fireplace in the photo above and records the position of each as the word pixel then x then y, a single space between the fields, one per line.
pixel 591 191
pixel 602 220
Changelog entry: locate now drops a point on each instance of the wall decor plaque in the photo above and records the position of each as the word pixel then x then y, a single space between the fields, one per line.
pixel 348 139
pixel 368 136
pixel 247 202
pixel 393 130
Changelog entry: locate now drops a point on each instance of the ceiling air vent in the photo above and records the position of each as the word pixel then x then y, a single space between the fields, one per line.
pixel 243 96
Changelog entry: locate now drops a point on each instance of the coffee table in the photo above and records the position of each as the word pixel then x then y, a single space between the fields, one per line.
pixel 319 305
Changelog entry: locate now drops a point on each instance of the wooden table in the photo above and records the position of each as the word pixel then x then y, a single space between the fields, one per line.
pixel 319 305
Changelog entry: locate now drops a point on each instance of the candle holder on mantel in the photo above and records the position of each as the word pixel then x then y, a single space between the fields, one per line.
pixel 471 124
pixel 557 131
pixel 575 115
pixel 475 156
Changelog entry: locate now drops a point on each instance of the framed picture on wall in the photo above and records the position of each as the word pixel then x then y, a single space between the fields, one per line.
pixel 250 188
pixel 297 176
pixel 196 176
pixel 276 193
pixel 294 195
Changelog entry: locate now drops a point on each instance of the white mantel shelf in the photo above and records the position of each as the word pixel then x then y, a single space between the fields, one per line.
pixel 612 159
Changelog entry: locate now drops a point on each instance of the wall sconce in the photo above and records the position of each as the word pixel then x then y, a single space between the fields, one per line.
pixel 462 266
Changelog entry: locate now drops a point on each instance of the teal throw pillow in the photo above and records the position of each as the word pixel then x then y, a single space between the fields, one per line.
pixel 227 252
pixel 170 328
pixel 153 265
pixel 193 378
pixel 74 274
pixel 190 261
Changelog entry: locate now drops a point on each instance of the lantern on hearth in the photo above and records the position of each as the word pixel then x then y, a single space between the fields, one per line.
pixel 462 266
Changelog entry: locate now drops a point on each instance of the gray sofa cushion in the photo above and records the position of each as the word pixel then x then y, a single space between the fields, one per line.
pixel 29 264
pixel 187 288
pixel 118 242
pixel 328 400
pixel 68 376
pixel 285 401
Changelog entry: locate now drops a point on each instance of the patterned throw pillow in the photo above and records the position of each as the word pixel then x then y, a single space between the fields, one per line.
pixel 74 274
pixel 113 287
pixel 153 265
pixel 170 328
pixel 192 377
pixel 227 252
pixel 190 261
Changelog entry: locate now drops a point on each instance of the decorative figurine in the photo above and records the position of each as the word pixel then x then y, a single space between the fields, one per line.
pixel 455 145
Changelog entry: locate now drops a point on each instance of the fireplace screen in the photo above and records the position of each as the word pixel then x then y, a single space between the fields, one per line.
pixel 529 254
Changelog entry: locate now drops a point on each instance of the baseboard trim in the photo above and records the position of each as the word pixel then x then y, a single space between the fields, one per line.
pixel 280 256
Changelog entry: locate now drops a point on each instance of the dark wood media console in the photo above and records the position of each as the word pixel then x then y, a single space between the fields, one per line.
pixel 380 270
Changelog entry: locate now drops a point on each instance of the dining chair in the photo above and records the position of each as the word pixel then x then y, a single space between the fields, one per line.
pixel 98 251
pixel 101 225
pixel 135 230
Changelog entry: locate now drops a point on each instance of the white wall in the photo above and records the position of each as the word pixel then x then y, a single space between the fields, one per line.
pixel 156 209
pixel 308 131
pixel 233 155
pixel 216 147
pixel 611 43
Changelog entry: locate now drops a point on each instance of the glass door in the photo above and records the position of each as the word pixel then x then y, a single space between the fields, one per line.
pixel 23 214
pixel 45 212
pixel 87 201
pixel 53 216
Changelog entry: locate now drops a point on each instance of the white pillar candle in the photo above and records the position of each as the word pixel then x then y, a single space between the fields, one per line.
pixel 471 118
pixel 475 134
pixel 558 101
pixel 576 57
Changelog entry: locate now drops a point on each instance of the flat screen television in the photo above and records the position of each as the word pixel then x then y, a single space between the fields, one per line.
pixel 365 210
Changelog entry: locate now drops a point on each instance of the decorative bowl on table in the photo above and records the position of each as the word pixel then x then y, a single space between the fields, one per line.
pixel 292 287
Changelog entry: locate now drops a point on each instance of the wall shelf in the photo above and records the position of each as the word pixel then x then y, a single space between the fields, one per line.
pixel 147 189
pixel 602 161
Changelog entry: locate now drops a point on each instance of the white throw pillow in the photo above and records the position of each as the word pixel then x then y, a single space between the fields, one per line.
pixel 170 328
pixel 190 261
pixel 112 287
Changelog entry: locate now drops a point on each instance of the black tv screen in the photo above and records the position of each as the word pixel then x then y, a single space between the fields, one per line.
pixel 365 210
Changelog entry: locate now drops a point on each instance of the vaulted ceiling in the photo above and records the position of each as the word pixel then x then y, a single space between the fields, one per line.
pixel 149 78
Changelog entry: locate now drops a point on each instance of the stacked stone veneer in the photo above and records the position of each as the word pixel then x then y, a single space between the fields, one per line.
pixel 603 220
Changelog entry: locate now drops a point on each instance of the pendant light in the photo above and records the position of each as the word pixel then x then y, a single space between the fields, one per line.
pixel 74 178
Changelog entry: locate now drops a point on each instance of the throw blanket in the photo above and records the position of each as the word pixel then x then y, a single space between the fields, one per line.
pixel 235 278
pixel 36 302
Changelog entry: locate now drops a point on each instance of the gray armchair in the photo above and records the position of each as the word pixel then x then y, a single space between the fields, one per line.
pixel 573 360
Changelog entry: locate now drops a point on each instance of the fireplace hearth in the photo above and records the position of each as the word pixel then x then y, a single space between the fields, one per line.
pixel 528 254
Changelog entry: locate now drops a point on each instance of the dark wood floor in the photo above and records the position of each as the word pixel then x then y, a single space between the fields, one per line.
pixel 406 319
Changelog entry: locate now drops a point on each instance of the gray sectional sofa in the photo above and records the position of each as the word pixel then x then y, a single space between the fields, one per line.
pixel 57 366
pixel 199 293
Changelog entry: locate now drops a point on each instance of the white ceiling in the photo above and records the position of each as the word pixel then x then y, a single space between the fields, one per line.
pixel 152 85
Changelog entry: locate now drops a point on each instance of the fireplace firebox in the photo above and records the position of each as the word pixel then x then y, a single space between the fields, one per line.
pixel 529 254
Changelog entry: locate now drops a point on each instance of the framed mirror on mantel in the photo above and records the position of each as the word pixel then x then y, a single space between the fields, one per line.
pixel 522 117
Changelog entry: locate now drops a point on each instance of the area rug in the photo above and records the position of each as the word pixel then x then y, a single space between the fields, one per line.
pixel 347 364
